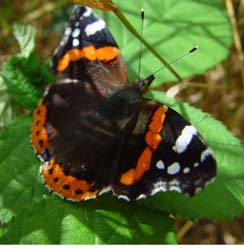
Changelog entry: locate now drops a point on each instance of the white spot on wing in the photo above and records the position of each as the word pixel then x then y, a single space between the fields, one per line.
pixel 206 153
pixel 41 159
pixel 162 186
pixel 87 12
pixel 46 164
pixel 174 188
pixel 174 185
pixel 160 165
pixel 87 198
pixel 66 36
pixel 184 139
pixel 93 28
pixel 75 42
pixel 173 168
pixel 55 51
pixel 196 164
pixel 124 197
pixel 67 31
pixel 141 196
pixel 105 190
pixel 159 186
pixel 40 170
pixel 186 170
pixel 76 33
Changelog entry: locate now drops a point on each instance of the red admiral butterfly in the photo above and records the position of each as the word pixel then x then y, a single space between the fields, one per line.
pixel 95 132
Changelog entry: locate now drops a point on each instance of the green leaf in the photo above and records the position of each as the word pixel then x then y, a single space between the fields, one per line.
pixel 25 36
pixel 39 219
pixel 20 182
pixel 31 215
pixel 22 77
pixel 223 199
pixel 25 74
pixel 53 221
pixel 173 27
pixel 8 108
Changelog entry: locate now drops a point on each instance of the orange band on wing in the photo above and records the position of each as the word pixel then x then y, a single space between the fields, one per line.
pixel 158 120
pixel 90 53
pixel 38 132
pixel 153 139
pixel 129 177
pixel 66 186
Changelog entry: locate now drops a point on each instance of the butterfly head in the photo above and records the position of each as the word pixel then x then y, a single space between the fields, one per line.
pixel 142 85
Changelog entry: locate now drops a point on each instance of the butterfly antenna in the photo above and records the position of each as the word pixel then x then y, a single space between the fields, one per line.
pixel 177 59
pixel 140 55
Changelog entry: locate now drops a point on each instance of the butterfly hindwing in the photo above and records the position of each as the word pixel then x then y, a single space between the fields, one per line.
pixel 172 157
pixel 68 133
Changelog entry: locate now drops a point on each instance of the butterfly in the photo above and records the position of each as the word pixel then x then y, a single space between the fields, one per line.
pixel 95 132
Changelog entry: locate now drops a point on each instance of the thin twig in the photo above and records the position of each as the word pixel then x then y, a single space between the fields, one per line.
pixel 132 29
pixel 237 40
pixel 183 230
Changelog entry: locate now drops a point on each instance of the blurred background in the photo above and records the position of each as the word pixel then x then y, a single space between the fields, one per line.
pixel 221 95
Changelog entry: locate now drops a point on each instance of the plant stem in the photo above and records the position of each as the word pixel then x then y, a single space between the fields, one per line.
pixel 132 29
pixel 237 40
pixel 183 230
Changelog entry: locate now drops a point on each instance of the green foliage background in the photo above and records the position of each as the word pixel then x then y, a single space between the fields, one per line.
pixel 30 215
